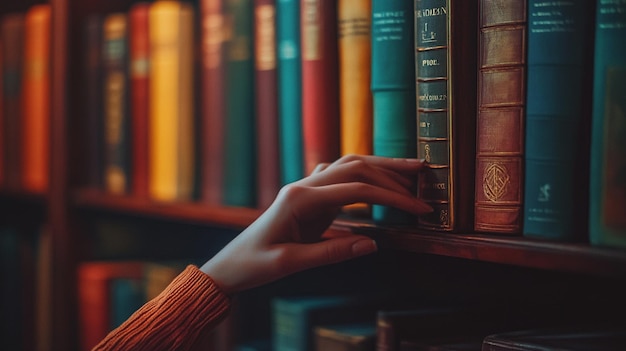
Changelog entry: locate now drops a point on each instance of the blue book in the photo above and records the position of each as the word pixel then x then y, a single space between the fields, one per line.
pixel 127 296
pixel 393 89
pixel 607 209
pixel 558 83
pixel 289 90
pixel 240 137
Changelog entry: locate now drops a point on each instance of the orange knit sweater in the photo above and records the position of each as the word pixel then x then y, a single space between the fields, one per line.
pixel 178 319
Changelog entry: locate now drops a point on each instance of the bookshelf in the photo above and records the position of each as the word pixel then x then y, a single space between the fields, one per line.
pixel 61 208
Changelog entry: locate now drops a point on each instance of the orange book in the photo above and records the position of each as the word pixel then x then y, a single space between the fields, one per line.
pixel 355 97
pixel 171 130
pixel 36 99
pixel 139 51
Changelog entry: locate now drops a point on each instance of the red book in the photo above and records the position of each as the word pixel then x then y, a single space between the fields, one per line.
pixel 268 176
pixel 213 99
pixel 320 95
pixel 12 33
pixel 139 46
pixel 94 300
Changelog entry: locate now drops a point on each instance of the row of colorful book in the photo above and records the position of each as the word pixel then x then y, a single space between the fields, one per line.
pixel 25 100
pixel 332 323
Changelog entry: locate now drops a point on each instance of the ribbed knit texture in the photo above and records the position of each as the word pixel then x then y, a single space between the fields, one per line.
pixel 182 315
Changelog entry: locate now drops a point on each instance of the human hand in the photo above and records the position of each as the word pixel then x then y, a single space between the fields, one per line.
pixel 290 235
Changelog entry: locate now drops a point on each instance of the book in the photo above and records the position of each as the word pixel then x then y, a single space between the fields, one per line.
pixel 355 71
pixel 500 116
pixel 574 339
pixel 158 275
pixel 345 337
pixel 294 318
pixel 446 68
pixel 560 39
pixel 12 48
pixel 289 72
pixel 393 90
pixel 171 127
pixel 266 103
pixel 320 96
pixel 10 269
pixel 607 191
pixel 35 137
pixel 139 69
pixel 116 111
pixel 213 109
pixel 240 163
pixel 447 345
pixel 93 97
pixel 94 296
pixel 127 296
pixel 1 121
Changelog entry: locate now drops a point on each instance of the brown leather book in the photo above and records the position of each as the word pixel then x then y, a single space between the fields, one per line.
pixel 320 95
pixel 213 107
pixel 12 33
pixel 500 117
pixel 268 174
pixel 446 42
pixel 139 55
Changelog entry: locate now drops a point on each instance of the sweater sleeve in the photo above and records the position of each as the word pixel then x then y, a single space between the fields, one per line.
pixel 185 312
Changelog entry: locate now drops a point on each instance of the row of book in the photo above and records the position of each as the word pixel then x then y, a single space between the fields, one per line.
pixel 331 323
pixel 25 100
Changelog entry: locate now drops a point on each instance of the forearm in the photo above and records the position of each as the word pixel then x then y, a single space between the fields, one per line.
pixel 185 312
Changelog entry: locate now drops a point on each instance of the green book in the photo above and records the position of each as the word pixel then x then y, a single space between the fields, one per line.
pixel 240 135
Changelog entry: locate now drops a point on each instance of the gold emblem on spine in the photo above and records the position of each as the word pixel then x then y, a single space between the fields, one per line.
pixel 427 155
pixel 495 181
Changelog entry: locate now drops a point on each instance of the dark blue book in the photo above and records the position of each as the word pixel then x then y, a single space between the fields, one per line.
pixel 557 110
pixel 607 209
pixel 127 296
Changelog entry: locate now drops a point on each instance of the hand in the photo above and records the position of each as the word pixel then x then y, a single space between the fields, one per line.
pixel 289 236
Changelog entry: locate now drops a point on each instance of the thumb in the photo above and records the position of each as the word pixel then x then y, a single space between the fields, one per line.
pixel 336 250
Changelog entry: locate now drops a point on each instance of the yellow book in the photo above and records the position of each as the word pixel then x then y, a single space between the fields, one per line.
pixel 355 98
pixel 36 99
pixel 171 101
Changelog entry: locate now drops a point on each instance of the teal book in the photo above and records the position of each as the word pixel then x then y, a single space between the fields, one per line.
pixel 560 38
pixel 289 90
pixel 294 318
pixel 393 90
pixel 446 45
pixel 127 296
pixel 607 222
pixel 240 137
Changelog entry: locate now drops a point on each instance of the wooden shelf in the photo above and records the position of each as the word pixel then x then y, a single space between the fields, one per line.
pixel 228 217
pixel 518 251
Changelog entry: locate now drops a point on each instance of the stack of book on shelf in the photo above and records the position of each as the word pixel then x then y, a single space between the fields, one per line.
pixel 25 108
pixel 508 101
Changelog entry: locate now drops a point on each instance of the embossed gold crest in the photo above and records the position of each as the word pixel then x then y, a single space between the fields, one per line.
pixel 495 181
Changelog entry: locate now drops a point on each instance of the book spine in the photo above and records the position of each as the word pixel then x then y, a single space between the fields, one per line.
pixel 268 174
pixel 139 52
pixel 12 41
pixel 556 118
pixel 1 119
pixel 116 118
pixel 93 43
pixel 213 100
pixel 289 90
pixel 320 97
pixel 240 137
pixel 500 116
pixel 393 89
pixel 36 99
pixel 445 59
pixel 355 67
pixel 607 204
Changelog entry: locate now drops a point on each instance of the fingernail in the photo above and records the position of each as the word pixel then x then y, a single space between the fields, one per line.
pixel 424 207
pixel 414 160
pixel 364 247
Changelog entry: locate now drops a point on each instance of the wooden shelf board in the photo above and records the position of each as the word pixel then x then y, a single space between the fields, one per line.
pixel 518 251
pixel 229 217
